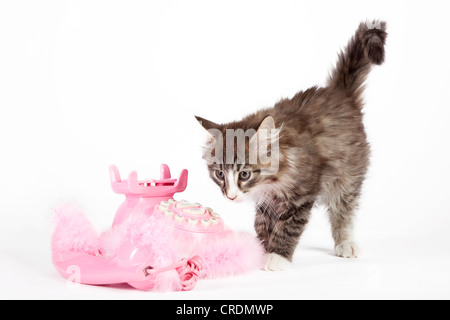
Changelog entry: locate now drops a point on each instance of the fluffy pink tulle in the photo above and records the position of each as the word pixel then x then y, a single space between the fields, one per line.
pixel 230 254
pixel 169 249
pixel 73 231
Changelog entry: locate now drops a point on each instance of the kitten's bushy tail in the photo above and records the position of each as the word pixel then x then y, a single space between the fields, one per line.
pixel 365 48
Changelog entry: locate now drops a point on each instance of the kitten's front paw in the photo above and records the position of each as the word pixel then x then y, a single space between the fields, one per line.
pixel 275 262
pixel 347 249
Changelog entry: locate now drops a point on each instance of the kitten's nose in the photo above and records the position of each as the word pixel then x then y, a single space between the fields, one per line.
pixel 232 197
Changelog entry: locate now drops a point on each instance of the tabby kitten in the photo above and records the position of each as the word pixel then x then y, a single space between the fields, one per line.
pixel 321 154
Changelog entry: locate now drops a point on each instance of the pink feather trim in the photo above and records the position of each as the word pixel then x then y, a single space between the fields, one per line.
pixel 224 254
pixel 73 231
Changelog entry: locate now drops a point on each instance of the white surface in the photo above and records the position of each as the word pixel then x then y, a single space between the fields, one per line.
pixel 84 84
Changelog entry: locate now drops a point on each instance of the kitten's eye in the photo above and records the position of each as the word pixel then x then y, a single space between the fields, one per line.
pixel 220 175
pixel 244 175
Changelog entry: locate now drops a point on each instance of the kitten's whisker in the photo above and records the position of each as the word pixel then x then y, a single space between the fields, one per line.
pixel 267 206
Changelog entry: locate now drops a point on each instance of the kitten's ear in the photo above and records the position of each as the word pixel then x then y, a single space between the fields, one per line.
pixel 206 123
pixel 211 127
pixel 266 142
pixel 266 126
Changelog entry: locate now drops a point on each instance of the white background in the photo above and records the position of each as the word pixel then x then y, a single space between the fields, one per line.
pixel 84 84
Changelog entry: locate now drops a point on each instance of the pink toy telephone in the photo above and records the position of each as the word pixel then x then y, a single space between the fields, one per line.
pixel 155 241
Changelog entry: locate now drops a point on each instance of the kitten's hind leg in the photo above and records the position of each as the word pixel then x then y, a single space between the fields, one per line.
pixel 341 209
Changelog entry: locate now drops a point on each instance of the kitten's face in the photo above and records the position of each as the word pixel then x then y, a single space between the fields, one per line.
pixel 241 161
pixel 236 181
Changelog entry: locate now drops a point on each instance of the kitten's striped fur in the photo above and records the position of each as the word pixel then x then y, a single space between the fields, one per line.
pixel 323 154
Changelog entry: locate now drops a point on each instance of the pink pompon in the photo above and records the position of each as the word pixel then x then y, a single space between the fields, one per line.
pixel 161 246
pixel 73 231
pixel 231 254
